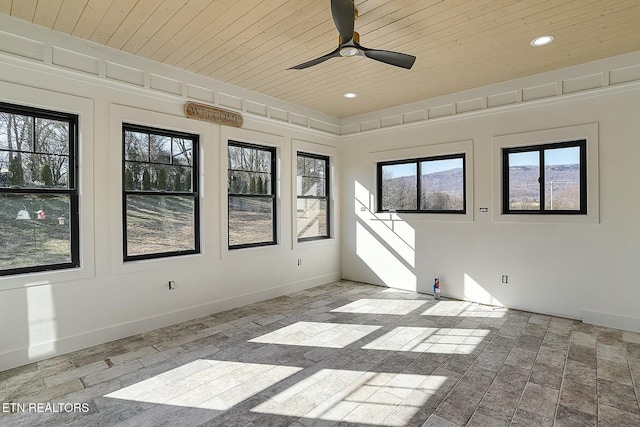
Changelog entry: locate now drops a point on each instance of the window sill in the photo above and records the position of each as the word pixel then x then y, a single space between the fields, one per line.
pixel 40 278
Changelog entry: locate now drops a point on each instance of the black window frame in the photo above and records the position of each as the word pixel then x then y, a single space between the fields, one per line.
pixel 72 190
pixel 194 193
pixel 326 197
pixel 272 195
pixel 418 162
pixel 580 143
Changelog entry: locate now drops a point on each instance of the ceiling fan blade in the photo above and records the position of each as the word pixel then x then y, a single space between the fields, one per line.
pixel 392 58
pixel 334 54
pixel 344 14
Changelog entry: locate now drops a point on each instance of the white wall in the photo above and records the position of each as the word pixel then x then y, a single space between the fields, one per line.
pixel 45 314
pixel 584 268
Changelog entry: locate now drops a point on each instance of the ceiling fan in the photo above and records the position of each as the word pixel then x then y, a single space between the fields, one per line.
pixel 344 15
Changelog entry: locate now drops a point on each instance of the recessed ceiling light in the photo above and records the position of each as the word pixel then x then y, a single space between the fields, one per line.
pixel 350 95
pixel 542 40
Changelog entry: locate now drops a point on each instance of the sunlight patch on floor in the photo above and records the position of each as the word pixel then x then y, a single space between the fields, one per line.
pixel 317 334
pixel 429 340
pixel 206 384
pixel 381 306
pixel 464 309
pixel 354 396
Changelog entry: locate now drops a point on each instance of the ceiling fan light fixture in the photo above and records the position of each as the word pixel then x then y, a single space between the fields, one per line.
pixel 344 14
pixel 542 40
pixel 349 51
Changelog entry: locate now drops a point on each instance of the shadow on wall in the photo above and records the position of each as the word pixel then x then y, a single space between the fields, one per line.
pixel 385 245
pixel 473 291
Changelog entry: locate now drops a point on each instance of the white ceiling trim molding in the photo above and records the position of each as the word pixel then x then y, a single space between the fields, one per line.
pixel 85 59
pixel 24 41
pixel 610 73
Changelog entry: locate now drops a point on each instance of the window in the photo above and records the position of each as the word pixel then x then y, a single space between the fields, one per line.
pixel 39 225
pixel 440 188
pixel 313 197
pixel 251 195
pixel 160 193
pixel 545 179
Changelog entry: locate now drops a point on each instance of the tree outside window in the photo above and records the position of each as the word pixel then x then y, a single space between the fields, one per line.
pixel 312 189
pixel 545 179
pixel 425 185
pixel 160 193
pixel 251 195
pixel 39 226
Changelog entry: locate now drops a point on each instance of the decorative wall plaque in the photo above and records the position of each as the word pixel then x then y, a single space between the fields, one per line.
pixel 212 114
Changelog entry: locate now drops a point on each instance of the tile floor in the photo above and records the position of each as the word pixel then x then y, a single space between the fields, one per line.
pixel 343 354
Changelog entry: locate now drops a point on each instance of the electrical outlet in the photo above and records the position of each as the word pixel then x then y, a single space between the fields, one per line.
pixel 172 285
pixel 505 278
pixel 299 262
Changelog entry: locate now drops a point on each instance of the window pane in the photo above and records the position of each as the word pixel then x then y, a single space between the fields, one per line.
pixel 562 178
pixel 262 161
pixel 16 132
pixel 182 151
pixel 247 158
pixel 249 183
pixel 28 170
pixel 312 218
pixel 179 178
pixel 52 136
pixel 159 224
pixel 38 228
pixel 311 187
pixel 51 171
pixel 136 146
pixel 310 167
pixel 300 162
pixel 238 182
pixel 320 168
pixel 160 148
pixel 34 230
pixel 235 157
pixel 251 220
pixel 442 185
pixel 159 179
pixel 399 183
pixel 4 169
pixel 311 180
pixel 524 187
pixel 251 159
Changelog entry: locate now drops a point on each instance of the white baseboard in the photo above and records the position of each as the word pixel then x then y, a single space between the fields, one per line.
pixel 23 356
pixel 609 320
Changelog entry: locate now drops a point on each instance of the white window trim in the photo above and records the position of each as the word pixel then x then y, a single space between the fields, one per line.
pixel 84 108
pixel 570 133
pixel 124 114
pixel 282 181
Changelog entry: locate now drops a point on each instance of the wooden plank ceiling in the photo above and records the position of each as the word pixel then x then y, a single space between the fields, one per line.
pixel 460 44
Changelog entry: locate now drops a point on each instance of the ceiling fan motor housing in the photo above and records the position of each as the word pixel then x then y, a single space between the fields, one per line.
pixel 344 15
